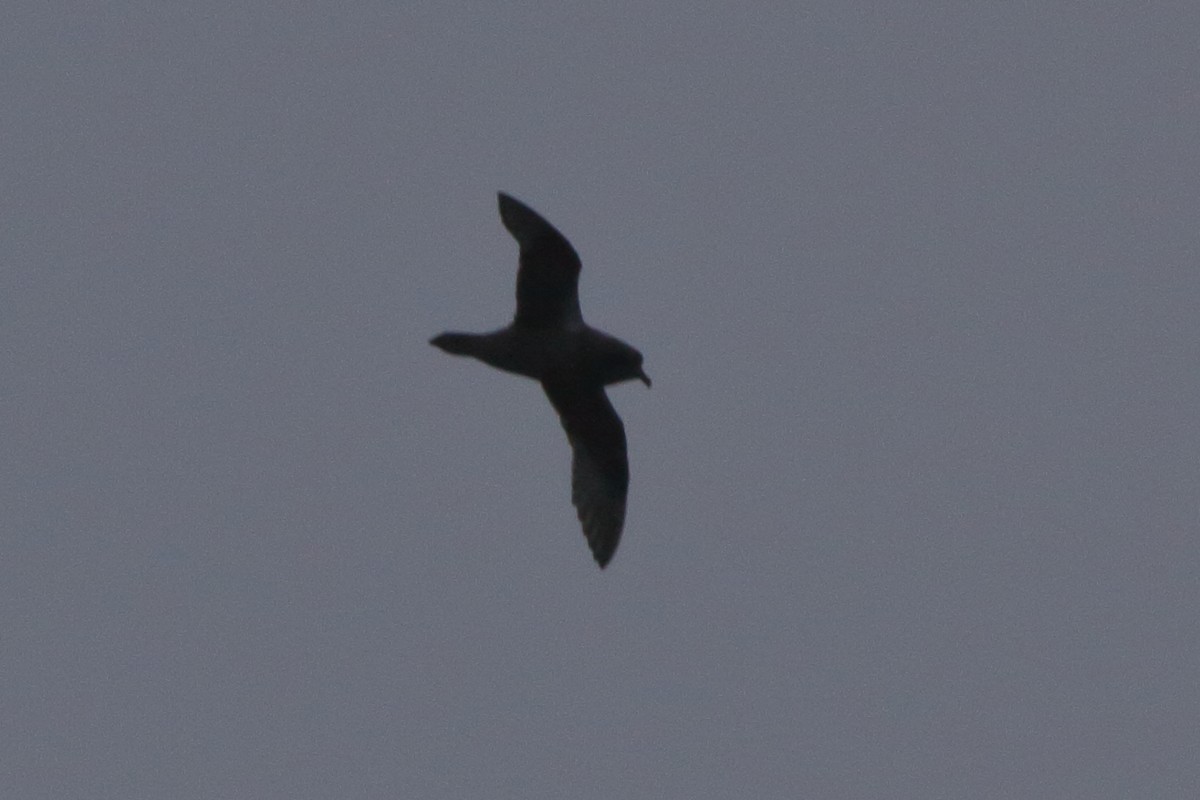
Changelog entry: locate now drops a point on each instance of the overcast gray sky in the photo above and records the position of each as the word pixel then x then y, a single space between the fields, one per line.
pixel 914 505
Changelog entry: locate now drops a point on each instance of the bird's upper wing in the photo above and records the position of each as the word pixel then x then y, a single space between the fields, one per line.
pixel 599 463
pixel 548 278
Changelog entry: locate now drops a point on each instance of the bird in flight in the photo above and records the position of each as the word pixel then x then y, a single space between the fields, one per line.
pixel 549 342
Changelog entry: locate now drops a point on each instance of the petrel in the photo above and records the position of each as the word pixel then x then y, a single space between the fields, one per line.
pixel 549 342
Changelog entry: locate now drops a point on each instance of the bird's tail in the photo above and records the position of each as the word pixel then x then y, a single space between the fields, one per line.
pixel 459 344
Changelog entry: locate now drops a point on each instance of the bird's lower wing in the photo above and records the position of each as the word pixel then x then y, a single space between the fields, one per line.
pixel 599 464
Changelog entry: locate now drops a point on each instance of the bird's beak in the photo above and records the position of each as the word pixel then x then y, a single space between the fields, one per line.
pixel 644 378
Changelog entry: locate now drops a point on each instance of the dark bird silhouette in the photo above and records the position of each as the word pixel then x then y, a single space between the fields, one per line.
pixel 549 342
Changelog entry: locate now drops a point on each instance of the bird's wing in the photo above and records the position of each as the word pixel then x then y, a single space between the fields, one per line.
pixel 548 278
pixel 599 463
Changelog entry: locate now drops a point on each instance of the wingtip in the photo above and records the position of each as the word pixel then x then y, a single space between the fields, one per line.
pixel 603 551
pixel 526 225
pixel 513 211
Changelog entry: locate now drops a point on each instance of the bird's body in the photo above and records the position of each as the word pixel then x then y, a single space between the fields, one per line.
pixel 579 354
pixel 549 342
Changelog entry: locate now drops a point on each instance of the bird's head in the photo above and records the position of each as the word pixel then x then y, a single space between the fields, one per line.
pixel 620 362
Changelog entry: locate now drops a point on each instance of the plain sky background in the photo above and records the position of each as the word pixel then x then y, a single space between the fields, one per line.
pixel 915 495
